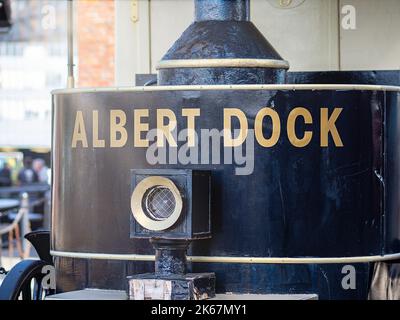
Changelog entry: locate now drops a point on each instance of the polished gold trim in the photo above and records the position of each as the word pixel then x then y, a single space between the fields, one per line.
pixel 223 63
pixel 284 87
pixel 137 199
pixel 239 260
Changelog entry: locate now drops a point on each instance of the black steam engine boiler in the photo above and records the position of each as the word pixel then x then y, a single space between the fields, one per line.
pixel 284 182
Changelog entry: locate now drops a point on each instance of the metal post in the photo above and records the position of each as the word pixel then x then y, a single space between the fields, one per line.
pixel 170 256
pixel 70 36
pixel 25 225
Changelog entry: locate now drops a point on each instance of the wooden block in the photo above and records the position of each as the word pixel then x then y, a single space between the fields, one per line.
pixel 198 286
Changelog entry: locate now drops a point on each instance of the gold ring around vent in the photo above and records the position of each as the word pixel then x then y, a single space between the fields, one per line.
pixel 142 189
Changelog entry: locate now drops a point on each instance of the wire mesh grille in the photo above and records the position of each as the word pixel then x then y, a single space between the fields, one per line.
pixel 160 203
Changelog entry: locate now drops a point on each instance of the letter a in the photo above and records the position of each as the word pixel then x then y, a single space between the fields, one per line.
pixel 79 134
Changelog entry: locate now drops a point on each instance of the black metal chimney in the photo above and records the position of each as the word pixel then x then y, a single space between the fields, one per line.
pixel 225 10
pixel 222 46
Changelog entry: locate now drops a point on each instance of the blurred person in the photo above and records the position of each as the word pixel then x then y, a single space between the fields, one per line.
pixel 39 165
pixel 27 175
pixel 5 176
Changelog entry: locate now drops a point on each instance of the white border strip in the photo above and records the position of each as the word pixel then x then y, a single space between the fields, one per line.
pixel 287 87
pixel 240 260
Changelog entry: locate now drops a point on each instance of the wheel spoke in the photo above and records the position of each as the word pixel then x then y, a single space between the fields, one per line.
pixel 39 290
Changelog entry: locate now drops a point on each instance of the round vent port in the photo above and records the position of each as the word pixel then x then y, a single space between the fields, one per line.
pixel 156 203
pixel 159 203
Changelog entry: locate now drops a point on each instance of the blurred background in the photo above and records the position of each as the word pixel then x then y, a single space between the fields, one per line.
pixel 33 62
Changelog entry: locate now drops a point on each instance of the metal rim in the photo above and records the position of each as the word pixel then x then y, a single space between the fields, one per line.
pixel 276 87
pixel 223 63
pixel 137 203
pixel 238 260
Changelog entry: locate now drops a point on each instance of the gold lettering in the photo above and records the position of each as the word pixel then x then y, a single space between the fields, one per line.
pixel 291 127
pixel 239 114
pixel 79 134
pixel 328 126
pixel 140 127
pixel 97 143
pixel 117 125
pixel 166 130
pixel 276 127
pixel 191 114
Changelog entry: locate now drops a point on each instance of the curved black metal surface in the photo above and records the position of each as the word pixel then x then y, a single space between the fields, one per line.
pixel 299 202
pixel 329 194
pixel 222 40
pixel 200 76
pixel 41 242
pixel 24 282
